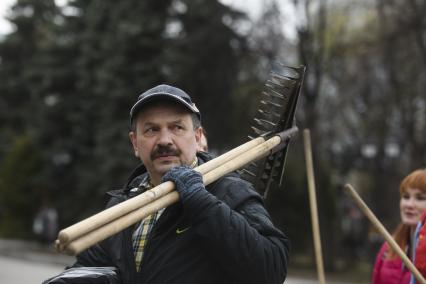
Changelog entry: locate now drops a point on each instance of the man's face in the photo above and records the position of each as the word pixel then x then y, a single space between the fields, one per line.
pixel 164 137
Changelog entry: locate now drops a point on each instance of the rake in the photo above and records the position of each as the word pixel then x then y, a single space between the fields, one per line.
pixel 274 127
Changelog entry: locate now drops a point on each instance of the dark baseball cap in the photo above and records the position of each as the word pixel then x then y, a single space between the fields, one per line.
pixel 165 92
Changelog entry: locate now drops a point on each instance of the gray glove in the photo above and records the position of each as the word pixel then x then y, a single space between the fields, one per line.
pixel 187 181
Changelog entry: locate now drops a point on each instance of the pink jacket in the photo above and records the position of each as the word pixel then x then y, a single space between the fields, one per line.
pixel 389 271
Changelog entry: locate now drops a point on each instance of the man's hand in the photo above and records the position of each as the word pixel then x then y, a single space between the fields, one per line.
pixel 187 181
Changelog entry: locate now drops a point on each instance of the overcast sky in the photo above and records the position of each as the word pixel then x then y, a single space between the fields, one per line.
pixel 4 5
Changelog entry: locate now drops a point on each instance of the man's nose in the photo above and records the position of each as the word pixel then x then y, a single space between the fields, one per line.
pixel 165 137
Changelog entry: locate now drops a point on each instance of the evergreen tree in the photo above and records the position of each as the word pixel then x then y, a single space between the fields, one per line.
pixel 20 188
pixel 204 60
pixel 71 73
pixel 26 81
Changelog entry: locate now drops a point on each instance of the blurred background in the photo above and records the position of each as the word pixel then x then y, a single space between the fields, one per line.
pixel 70 71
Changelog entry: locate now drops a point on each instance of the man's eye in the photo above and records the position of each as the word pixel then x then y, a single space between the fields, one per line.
pixel 149 131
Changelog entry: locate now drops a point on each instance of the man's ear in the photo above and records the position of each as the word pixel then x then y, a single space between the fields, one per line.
pixel 198 133
pixel 132 137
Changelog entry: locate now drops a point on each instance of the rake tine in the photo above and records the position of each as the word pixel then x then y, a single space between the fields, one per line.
pixel 276 113
pixel 265 123
pixel 258 131
pixel 248 172
pixel 268 113
pixel 275 94
pixel 271 103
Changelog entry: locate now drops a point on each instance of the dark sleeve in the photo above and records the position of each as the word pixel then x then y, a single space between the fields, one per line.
pixel 243 239
pixel 93 256
pixel 96 255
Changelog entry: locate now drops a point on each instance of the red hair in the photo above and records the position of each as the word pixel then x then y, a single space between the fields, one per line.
pixel 416 179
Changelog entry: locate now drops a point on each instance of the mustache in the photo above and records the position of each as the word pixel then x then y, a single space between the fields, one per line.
pixel 164 150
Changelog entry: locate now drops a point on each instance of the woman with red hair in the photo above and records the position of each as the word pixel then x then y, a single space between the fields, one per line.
pixel 389 268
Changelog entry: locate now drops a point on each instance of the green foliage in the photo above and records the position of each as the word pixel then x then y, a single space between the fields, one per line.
pixel 71 73
pixel 19 188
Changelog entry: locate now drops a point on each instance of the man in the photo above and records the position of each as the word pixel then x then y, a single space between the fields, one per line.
pixel 215 234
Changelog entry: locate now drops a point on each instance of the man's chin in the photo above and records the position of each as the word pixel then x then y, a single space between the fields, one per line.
pixel 164 168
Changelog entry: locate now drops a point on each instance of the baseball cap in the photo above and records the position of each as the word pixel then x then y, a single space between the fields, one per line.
pixel 166 92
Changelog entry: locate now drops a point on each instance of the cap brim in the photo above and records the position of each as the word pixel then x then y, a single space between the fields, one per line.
pixel 139 104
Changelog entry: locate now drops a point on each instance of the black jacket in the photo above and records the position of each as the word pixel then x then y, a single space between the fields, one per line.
pixel 224 235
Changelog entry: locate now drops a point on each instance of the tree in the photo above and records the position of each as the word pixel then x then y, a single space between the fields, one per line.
pixel 26 81
pixel 20 188
pixel 84 65
pixel 204 58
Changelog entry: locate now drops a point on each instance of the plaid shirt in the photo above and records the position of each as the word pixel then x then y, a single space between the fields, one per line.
pixel 141 233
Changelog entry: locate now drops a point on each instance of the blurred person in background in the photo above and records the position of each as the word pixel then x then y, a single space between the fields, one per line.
pixel 45 223
pixel 389 268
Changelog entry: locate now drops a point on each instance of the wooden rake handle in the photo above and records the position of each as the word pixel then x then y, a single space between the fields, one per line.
pixel 313 205
pixel 82 235
pixel 351 191
pixel 85 226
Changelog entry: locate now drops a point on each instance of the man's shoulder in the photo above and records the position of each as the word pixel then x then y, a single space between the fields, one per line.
pixel 131 189
pixel 136 176
pixel 116 196
pixel 232 179
pixel 230 185
pixel 234 190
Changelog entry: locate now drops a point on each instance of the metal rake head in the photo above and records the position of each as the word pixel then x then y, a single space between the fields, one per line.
pixel 276 114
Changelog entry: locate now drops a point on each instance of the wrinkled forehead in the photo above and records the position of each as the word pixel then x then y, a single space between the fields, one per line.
pixel 163 110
